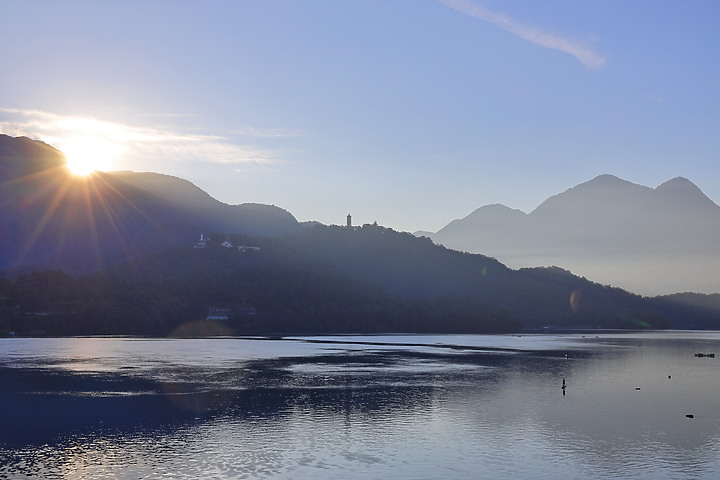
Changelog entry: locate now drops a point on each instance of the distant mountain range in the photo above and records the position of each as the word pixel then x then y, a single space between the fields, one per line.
pixel 647 240
pixel 52 219
pixel 127 240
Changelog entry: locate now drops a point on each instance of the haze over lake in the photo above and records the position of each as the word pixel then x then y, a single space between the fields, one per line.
pixel 396 407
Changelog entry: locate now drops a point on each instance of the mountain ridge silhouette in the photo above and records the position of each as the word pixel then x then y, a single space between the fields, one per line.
pixel 53 219
pixel 647 240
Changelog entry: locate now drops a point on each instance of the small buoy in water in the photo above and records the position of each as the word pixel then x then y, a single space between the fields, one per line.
pixel 563 385
pixel 669 376
pixel 690 415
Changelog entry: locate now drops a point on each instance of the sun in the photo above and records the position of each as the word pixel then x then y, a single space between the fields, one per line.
pixel 86 155
pixel 80 167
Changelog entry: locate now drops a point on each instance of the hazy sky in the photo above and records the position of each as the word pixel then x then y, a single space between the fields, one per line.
pixel 406 112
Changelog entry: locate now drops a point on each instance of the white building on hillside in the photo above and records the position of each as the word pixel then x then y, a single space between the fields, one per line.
pixel 202 243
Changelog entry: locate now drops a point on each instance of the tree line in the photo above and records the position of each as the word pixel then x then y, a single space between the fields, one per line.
pixel 323 279
pixel 257 300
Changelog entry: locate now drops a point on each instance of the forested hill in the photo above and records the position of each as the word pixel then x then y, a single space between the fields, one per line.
pixel 417 268
pixel 319 280
pixel 51 218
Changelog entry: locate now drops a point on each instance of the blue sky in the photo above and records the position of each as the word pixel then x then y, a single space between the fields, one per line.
pixel 406 112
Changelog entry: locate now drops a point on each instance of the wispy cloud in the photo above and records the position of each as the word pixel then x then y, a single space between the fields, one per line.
pixel 137 145
pixel 585 55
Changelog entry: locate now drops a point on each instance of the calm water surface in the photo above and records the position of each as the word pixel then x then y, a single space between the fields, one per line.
pixel 363 407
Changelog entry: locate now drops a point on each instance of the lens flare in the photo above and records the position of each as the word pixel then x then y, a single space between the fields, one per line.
pixel 575 298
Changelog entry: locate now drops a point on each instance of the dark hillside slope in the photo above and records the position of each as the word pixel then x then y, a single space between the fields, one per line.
pixel 401 263
pixel 51 219
pixel 416 268
pixel 691 310
pixel 322 280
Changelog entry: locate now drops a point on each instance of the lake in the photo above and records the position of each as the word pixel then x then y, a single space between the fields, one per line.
pixel 635 405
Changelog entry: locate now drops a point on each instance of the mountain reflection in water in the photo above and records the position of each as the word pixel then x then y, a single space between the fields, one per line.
pixel 362 407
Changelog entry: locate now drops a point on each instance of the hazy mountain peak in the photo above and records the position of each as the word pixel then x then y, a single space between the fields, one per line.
pixel 599 194
pixel 649 240
pixel 678 184
pixel 487 216
pixel 607 178
pixel 607 181
pixel 682 191
pixel 496 208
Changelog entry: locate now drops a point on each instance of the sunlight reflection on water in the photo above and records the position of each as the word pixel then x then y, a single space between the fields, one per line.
pixel 361 407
